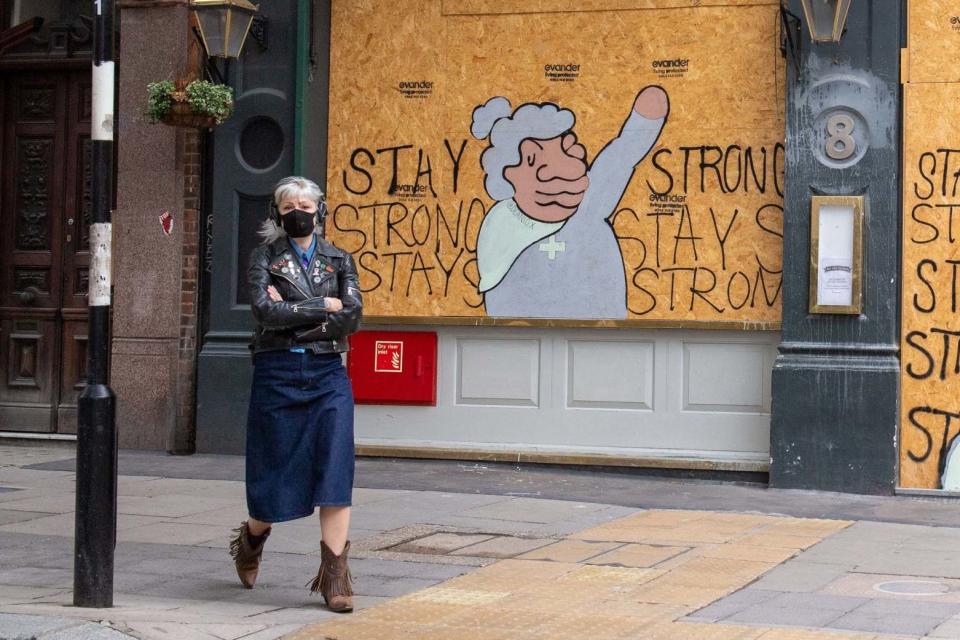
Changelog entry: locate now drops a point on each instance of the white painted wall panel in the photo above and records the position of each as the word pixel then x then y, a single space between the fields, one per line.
pixel 607 374
pixel 725 377
pixel 644 393
pixel 498 372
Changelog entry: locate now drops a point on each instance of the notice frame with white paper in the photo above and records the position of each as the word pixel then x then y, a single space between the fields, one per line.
pixel 836 254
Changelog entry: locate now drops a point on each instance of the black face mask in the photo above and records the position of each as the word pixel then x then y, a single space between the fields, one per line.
pixel 297 223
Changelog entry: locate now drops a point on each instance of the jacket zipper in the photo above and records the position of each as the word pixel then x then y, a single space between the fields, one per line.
pixel 305 294
pixel 296 307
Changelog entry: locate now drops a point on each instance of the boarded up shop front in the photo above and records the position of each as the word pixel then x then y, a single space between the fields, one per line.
pixel 930 399
pixel 584 199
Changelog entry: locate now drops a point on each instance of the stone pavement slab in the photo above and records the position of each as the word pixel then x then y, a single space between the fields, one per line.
pixel 503 547
pixel 802 576
pixel 634 489
pixel 531 566
pixel 949 629
pixel 441 543
pixel 24 627
pixel 10 517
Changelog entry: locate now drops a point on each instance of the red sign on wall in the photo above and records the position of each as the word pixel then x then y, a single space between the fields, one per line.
pixel 389 356
pixel 393 367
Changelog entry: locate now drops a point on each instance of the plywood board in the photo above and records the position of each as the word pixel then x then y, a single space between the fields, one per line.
pixel 933 35
pixel 682 225
pixel 930 360
pixel 486 7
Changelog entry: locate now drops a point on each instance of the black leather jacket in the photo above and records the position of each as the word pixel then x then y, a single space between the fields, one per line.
pixel 301 319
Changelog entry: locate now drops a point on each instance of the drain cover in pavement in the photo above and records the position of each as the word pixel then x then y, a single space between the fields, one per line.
pixel 912 587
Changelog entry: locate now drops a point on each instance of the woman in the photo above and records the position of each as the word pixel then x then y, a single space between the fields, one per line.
pixel 306 301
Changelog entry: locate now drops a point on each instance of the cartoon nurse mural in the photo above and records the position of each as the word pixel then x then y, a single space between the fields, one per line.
pixel 546 248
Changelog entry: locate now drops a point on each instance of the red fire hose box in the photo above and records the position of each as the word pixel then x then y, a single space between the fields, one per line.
pixel 393 367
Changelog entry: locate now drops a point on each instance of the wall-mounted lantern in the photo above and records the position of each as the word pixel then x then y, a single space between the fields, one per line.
pixel 826 18
pixel 224 25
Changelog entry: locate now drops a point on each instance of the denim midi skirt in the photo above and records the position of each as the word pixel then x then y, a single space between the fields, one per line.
pixel 300 451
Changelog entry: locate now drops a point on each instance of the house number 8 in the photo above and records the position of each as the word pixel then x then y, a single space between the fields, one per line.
pixel 840 145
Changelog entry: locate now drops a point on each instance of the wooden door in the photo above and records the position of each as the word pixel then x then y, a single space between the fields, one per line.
pixel 45 174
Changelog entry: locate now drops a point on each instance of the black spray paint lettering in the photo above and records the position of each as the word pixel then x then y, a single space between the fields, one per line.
pixel 692 284
pixel 940 172
pixel 730 170
pixel 412 250
pixel 934 346
pixel 933 353
pixel 363 164
pixel 920 419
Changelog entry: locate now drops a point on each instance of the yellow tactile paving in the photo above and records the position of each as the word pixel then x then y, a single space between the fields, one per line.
pixel 570 551
pixel 686 631
pixel 780 541
pixel 465 632
pixel 738 551
pixel 674 593
pixel 520 620
pixel 717 572
pixel 636 577
pixel 757 519
pixel 679 536
pixel 637 555
pixel 405 611
pixel 661 518
pixel 808 526
pixel 595 625
pixel 457 596
pixel 614 575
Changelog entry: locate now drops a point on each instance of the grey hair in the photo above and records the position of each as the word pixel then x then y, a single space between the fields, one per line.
pixel 540 121
pixel 291 186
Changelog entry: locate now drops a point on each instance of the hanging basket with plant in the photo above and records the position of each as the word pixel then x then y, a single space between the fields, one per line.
pixel 199 104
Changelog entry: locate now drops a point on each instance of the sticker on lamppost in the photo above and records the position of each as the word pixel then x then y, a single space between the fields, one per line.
pixel 101 258
pixel 388 356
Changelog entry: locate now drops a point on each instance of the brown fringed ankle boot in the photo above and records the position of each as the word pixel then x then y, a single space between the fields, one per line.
pixel 246 555
pixel 334 581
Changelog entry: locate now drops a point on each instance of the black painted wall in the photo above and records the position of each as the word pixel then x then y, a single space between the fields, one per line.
pixel 836 381
pixel 316 94
pixel 251 152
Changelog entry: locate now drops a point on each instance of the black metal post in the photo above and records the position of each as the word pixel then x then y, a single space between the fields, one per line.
pixel 96 519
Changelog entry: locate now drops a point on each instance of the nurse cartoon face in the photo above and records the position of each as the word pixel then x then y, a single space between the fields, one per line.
pixel 551 178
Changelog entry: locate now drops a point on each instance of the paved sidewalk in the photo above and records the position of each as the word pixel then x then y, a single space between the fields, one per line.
pixel 474 560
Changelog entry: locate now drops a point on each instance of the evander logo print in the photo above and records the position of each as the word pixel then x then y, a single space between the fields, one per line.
pixel 547 247
pixel 415 88
pixel 671 67
pixel 561 72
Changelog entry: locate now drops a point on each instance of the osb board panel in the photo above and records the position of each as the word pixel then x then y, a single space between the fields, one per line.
pixel 486 7
pixel 933 39
pixel 930 380
pixel 696 235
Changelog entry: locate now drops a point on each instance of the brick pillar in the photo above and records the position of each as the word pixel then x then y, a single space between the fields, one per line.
pixel 184 436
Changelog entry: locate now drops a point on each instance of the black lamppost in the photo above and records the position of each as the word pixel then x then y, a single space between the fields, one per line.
pixel 224 25
pixel 96 513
